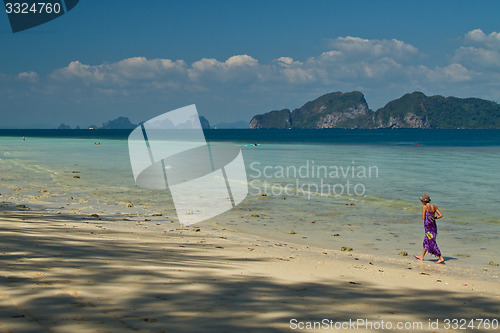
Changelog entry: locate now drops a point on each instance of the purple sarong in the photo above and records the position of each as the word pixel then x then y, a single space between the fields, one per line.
pixel 430 235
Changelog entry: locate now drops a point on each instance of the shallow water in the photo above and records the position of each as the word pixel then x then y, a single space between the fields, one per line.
pixel 362 195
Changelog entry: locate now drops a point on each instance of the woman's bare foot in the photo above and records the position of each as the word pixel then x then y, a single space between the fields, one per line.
pixel 440 261
pixel 420 258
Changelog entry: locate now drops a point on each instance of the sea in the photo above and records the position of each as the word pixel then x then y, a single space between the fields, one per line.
pixel 329 188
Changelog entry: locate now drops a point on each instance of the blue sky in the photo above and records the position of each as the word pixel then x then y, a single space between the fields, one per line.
pixel 235 59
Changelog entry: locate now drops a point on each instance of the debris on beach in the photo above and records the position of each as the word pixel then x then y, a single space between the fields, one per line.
pixel 196 229
pixel 255 215
pixel 263 194
pixel 492 263
pixel 157 214
pixel 22 207
pixel 76 177
pixel 292 232
pixel 403 253
pixel 344 248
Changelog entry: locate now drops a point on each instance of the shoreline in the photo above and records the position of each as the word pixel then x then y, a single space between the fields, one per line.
pixel 67 272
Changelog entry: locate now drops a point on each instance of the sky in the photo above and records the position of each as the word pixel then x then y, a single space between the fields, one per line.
pixel 236 59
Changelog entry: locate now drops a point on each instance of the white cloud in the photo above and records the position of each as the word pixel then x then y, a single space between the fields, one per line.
pixel 452 73
pixel 122 72
pixel 383 69
pixel 238 68
pixel 478 58
pixel 482 53
pixel 353 58
pixel 28 76
pixel 241 60
pixel 478 37
pixel 352 62
pixel 373 48
pixel 286 62
pixel 88 74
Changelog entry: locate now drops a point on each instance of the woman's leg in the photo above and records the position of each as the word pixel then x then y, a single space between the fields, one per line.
pixel 421 257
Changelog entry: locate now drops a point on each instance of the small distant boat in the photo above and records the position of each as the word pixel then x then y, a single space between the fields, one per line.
pixel 250 145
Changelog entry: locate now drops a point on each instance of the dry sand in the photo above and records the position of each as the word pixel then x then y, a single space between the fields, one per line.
pixel 80 274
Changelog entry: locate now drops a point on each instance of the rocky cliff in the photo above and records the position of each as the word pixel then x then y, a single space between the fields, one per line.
pixel 415 110
pixel 328 111
pixel 273 119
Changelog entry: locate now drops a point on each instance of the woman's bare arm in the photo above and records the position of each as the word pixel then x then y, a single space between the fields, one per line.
pixel 440 215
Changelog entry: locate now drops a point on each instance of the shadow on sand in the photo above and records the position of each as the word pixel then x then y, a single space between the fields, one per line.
pixel 54 276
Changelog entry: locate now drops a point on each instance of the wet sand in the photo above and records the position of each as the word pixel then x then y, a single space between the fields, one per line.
pixel 77 273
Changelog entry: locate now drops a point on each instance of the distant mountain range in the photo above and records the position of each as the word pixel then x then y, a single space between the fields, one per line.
pixel 125 123
pixel 415 110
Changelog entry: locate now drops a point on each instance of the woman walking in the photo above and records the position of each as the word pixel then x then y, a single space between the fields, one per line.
pixel 429 212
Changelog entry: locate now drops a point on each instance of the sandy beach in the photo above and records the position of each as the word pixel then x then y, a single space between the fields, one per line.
pixel 72 273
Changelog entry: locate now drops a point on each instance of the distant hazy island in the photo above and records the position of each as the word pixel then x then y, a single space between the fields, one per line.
pixel 125 123
pixel 415 110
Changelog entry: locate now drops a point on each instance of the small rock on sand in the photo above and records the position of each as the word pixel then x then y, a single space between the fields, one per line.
pixel 344 248
pixel 403 253
pixel 129 205
pixel 292 232
pixel 76 176
pixel 157 214
pixel 196 229
pixel 255 215
pixel 94 215
pixel 263 194
pixel 493 264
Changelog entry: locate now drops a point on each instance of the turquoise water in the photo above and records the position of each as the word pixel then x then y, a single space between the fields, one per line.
pixel 364 189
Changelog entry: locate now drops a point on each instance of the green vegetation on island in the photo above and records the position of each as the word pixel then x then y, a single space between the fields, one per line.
pixel 415 110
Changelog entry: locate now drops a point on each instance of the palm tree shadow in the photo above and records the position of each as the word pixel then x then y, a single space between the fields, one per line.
pixel 154 285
